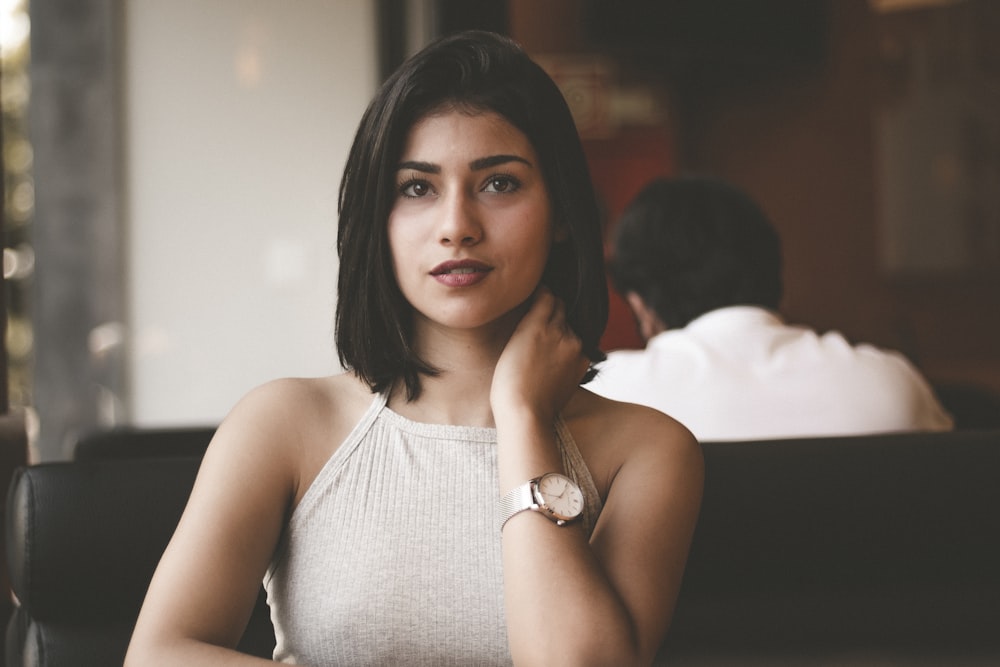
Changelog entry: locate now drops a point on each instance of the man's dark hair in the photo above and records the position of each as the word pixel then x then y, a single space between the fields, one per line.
pixel 472 71
pixel 692 244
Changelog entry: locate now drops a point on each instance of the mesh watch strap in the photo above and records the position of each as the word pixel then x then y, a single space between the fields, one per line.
pixel 517 500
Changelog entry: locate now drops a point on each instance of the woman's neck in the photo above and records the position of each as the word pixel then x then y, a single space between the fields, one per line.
pixel 460 393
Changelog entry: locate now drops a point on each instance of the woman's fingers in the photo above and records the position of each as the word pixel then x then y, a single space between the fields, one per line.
pixel 550 307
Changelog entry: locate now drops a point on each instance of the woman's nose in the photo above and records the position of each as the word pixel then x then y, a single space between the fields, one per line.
pixel 460 224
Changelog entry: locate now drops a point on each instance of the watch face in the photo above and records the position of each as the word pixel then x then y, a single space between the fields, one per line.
pixel 560 496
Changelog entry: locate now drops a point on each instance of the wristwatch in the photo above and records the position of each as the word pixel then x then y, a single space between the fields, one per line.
pixel 555 496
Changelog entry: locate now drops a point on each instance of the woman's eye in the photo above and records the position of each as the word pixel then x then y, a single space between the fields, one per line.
pixel 414 189
pixel 502 184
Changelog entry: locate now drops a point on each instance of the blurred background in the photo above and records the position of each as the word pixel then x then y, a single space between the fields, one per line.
pixel 170 172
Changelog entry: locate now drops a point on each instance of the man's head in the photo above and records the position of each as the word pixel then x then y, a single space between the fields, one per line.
pixel 686 246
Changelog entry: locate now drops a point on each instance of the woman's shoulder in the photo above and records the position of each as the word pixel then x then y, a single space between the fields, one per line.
pixel 611 434
pixel 293 399
pixel 608 417
pixel 292 412
pixel 291 426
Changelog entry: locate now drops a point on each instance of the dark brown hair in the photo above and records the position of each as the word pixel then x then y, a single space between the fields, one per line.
pixel 472 70
pixel 692 244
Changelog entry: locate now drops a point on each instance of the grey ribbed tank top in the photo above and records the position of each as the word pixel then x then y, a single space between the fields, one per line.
pixel 392 557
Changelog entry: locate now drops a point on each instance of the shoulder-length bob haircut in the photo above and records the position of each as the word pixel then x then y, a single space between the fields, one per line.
pixel 472 71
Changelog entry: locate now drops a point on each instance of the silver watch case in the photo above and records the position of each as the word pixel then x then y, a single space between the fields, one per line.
pixel 527 496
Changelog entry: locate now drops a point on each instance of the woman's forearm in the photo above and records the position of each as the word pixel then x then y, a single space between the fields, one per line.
pixel 186 653
pixel 561 607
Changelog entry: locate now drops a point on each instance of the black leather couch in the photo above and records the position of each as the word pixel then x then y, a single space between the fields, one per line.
pixel 876 550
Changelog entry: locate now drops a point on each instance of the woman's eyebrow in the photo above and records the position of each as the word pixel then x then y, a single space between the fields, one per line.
pixel 475 165
pixel 416 165
pixel 494 160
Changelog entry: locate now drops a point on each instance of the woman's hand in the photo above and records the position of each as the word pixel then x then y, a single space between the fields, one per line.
pixel 542 363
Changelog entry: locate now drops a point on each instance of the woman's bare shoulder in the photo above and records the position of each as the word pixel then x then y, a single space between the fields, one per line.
pixel 618 420
pixel 611 434
pixel 292 424
pixel 294 406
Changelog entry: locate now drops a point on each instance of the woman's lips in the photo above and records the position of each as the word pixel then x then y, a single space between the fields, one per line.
pixel 460 273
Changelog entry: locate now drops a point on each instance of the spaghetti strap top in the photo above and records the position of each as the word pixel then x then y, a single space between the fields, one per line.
pixel 393 554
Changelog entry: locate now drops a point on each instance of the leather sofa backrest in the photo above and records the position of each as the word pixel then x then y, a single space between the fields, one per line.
pixel 83 539
pixel 126 442
pixel 849 550
pixel 861 550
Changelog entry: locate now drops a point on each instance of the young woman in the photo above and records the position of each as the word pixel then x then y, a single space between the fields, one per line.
pixel 455 497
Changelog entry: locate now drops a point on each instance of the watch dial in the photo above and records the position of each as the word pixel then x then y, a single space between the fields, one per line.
pixel 561 495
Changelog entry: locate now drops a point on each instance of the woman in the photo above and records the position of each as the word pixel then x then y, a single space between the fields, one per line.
pixel 391 509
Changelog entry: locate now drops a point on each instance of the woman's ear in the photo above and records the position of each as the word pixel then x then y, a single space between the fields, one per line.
pixel 646 318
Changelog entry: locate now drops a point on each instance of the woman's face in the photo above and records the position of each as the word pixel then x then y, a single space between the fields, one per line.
pixel 471 226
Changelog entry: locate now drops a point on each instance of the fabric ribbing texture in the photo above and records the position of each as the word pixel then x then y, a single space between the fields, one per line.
pixel 393 555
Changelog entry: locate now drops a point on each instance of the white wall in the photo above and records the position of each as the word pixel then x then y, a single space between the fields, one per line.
pixel 239 118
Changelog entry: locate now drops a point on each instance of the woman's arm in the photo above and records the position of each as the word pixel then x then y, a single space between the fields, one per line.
pixel 606 601
pixel 206 584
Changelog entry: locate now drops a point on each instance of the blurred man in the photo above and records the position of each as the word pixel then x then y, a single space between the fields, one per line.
pixel 699 264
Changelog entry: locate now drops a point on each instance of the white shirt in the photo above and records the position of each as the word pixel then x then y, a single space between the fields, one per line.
pixel 741 373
